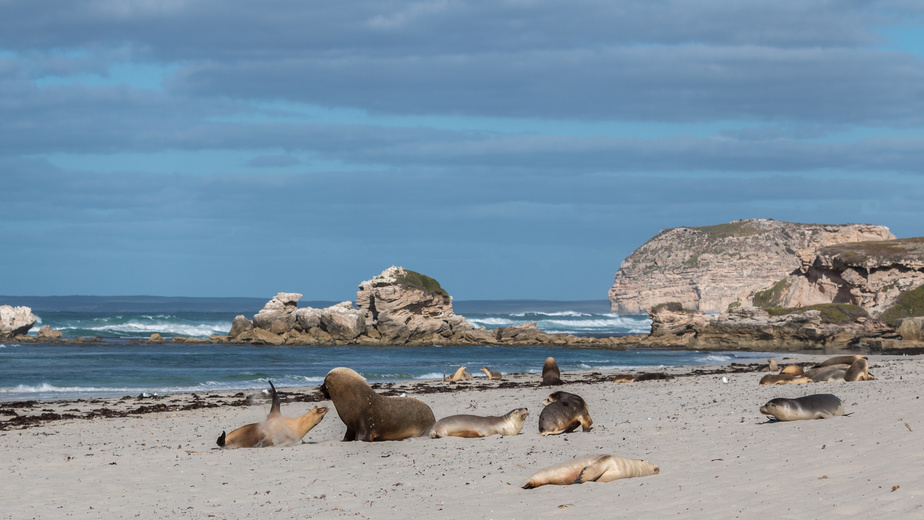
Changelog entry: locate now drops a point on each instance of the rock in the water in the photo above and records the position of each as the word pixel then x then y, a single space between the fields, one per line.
pixel 48 333
pixel 15 321
pixel 278 315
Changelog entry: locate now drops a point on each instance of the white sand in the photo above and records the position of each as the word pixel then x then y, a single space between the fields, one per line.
pixel 719 458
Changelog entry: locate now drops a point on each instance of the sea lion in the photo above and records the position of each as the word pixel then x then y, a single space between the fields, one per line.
pixel 623 378
pixel 459 375
pixel 369 416
pixel 276 430
pixel 471 426
pixel 550 374
pixel 491 374
pixel 653 376
pixel 830 373
pixel 816 406
pixel 839 360
pixel 858 371
pixel 793 370
pixel 771 365
pixel 591 468
pixel 783 379
pixel 563 413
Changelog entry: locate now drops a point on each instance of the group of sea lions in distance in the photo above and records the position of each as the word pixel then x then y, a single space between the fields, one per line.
pixel 369 416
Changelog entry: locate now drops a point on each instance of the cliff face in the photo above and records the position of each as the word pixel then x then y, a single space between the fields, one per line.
pixel 868 274
pixel 707 268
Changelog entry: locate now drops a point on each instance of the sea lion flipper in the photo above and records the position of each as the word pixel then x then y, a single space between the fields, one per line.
pixel 275 409
pixel 590 473
pixel 221 439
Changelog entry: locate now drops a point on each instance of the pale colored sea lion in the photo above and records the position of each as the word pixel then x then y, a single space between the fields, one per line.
pixel 276 430
pixel 793 370
pixel 369 416
pixel 840 360
pixel 591 468
pixel 491 374
pixel 783 379
pixel 459 375
pixel 563 413
pixel 623 378
pixel 550 373
pixel 858 371
pixel 471 426
pixel 816 406
pixel 771 365
pixel 830 373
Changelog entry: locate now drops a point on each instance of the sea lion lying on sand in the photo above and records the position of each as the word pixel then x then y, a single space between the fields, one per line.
pixel 276 430
pixel 563 413
pixel 591 468
pixel 550 374
pixel 839 360
pixel 471 426
pixel 783 379
pixel 816 406
pixel 369 416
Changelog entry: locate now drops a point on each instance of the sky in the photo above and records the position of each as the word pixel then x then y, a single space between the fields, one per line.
pixel 509 149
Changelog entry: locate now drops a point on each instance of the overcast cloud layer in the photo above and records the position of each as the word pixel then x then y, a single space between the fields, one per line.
pixel 517 149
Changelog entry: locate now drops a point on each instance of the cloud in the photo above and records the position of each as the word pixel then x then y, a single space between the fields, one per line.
pixel 273 161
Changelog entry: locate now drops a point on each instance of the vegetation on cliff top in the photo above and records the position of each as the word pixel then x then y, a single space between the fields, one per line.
pixel 908 305
pixel 831 313
pixel 420 281
pixel 773 296
pixel 739 228
pixel 892 251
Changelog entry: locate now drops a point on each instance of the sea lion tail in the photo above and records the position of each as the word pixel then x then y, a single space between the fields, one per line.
pixel 221 440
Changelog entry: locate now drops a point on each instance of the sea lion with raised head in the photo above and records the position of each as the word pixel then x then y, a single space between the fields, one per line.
pixel 459 375
pixel 491 374
pixel 772 366
pixel 471 426
pixel 783 379
pixel 815 406
pixel 369 416
pixel 563 413
pixel 591 468
pixel 550 374
pixel 276 430
pixel 858 371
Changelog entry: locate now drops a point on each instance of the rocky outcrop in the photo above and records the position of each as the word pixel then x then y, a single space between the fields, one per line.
pixel 15 321
pixel 46 333
pixel 708 268
pixel 397 307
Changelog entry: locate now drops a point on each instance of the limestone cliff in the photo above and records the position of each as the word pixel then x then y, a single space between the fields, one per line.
pixel 707 268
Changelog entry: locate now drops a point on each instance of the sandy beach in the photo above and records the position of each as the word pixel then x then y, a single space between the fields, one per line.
pixel 719 457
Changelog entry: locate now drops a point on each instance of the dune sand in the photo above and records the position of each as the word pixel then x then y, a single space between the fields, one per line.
pixel 719 457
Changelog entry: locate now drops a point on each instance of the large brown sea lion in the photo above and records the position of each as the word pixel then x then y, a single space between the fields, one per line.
pixel 783 379
pixel 858 371
pixel 459 375
pixel 550 373
pixel 491 374
pixel 369 416
pixel 840 360
pixel 828 373
pixel 591 468
pixel 563 413
pixel 793 370
pixel 471 426
pixel 276 430
pixel 816 406
pixel 653 376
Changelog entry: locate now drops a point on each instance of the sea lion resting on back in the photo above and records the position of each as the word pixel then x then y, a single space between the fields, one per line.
pixel 591 468
pixel 563 413
pixel 369 416
pixel 816 406
pixel 276 430
pixel 471 426
pixel 550 373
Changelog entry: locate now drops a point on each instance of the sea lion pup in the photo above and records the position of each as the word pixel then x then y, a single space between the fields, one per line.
pixel 459 375
pixel 839 360
pixel 550 374
pixel 816 406
pixel 471 426
pixel 858 371
pixel 563 413
pixel 591 468
pixel 793 370
pixel 491 374
pixel 369 416
pixel 783 379
pixel 652 376
pixel 276 430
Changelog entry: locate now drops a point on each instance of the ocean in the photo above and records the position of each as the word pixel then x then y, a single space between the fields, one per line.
pixel 121 364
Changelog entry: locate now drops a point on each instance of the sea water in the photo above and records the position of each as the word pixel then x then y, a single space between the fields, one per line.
pixel 122 363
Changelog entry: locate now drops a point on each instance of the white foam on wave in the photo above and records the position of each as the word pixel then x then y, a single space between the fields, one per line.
pixel 553 314
pixel 501 322
pixel 146 328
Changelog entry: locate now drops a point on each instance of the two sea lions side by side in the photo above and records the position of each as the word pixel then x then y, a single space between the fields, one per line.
pixel 550 373
pixel 563 413
pixel 369 416
pixel 459 375
pixel 472 426
pixel 591 468
pixel 816 406
pixel 276 430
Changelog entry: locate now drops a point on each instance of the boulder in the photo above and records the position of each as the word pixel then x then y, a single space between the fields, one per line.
pixel 911 329
pixel 278 315
pixel 240 327
pixel 16 321
pixel 48 333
